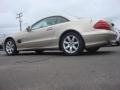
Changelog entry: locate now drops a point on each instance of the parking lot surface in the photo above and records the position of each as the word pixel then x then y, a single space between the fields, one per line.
pixel 54 71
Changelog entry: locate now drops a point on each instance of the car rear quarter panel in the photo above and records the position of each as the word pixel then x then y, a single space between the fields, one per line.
pixel 90 36
pixel 80 27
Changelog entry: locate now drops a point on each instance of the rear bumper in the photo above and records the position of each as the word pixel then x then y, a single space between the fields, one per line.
pixel 99 38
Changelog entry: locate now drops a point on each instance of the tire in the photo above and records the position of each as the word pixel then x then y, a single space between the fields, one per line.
pixel 10 47
pixel 39 51
pixel 92 50
pixel 72 44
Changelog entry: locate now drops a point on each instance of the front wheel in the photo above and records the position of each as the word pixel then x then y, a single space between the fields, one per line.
pixel 72 44
pixel 10 47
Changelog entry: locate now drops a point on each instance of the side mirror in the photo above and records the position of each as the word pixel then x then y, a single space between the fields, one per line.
pixel 28 29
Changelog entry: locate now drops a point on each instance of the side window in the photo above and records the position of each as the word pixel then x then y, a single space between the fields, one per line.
pixel 61 20
pixel 48 22
pixel 51 21
pixel 40 24
pixel 44 23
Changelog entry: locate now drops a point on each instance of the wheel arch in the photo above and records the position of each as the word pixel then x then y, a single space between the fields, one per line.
pixel 70 30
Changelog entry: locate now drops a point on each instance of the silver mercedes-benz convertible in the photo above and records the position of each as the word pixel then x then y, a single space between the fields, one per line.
pixel 70 35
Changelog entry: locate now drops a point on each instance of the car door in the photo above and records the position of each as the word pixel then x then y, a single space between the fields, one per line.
pixel 41 34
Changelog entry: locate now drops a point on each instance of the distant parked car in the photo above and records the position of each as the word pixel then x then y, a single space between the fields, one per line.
pixel 0 44
pixel 68 34
pixel 2 35
pixel 118 37
pixel 117 41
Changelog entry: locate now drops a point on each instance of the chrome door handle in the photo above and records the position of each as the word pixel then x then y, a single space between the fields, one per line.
pixel 49 29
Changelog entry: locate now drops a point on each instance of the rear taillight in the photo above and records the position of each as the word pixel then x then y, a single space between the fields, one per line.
pixel 102 25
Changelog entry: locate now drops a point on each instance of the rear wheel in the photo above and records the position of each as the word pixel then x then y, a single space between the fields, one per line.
pixel 72 44
pixel 10 47
pixel 92 50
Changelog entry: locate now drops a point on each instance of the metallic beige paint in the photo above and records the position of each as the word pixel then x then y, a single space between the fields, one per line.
pixel 48 37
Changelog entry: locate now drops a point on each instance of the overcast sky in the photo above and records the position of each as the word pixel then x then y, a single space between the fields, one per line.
pixel 34 10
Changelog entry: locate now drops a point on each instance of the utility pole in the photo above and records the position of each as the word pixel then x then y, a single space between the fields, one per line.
pixel 19 15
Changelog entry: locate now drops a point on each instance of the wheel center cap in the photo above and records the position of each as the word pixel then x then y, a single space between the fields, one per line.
pixel 71 43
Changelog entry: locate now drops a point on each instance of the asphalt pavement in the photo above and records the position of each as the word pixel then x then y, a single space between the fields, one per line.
pixel 54 71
